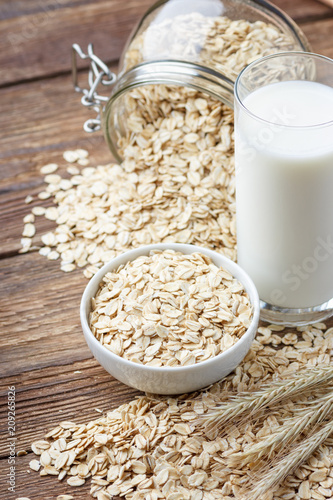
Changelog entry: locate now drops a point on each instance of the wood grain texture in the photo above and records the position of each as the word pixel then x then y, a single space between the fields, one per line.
pixel 38 44
pixel 320 36
pixel 40 315
pixel 36 36
pixel 42 116
pixel 327 2
pixel 20 8
pixel 305 10
pixel 69 391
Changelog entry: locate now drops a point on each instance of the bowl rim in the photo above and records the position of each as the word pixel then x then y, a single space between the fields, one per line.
pixel 144 250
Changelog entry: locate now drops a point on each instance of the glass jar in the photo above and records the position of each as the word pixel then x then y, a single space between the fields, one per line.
pixel 201 45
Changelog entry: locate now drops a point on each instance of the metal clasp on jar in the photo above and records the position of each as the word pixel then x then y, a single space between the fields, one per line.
pixel 99 73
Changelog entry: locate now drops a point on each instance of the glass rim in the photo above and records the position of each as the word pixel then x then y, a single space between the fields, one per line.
pixel 274 56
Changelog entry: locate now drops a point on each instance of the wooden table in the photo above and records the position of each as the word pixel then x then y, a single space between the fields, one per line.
pixel 43 352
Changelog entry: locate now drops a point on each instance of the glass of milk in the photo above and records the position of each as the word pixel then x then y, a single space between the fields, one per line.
pixel 284 184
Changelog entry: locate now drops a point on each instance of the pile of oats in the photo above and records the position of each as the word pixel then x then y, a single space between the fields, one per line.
pixel 151 449
pixel 170 309
pixel 219 42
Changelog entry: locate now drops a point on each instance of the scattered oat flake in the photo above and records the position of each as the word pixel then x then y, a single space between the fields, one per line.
pixel 51 213
pixel 29 230
pixel 49 239
pixel 26 245
pixel 29 218
pixel 53 255
pixel 65 184
pixel 34 465
pixel 68 268
pixel 83 162
pixel 44 195
pixel 49 168
pixel 158 443
pixel 75 481
pixel 82 153
pixel 38 211
pixel 71 156
pixel 52 179
pixel 44 251
pixel 28 199
pixel 73 170
pixel 21 453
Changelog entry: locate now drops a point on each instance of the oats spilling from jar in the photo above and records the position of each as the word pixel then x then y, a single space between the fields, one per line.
pixel 170 309
pixel 176 183
pixel 102 211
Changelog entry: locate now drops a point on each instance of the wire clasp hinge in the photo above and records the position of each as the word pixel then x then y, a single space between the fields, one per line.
pixel 99 73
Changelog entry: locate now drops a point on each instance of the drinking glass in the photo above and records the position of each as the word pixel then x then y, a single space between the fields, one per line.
pixel 284 184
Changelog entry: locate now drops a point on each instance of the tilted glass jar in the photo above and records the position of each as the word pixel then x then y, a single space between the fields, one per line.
pixel 198 44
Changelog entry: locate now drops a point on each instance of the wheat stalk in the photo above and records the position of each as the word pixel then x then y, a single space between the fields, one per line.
pixel 300 383
pixel 289 463
pixel 313 414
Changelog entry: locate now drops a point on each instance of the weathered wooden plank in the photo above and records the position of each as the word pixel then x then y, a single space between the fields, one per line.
pixel 46 396
pixel 40 116
pixel 19 8
pixel 16 8
pixel 40 322
pixel 320 36
pixel 37 41
pixel 304 10
pixel 327 2
pixel 39 44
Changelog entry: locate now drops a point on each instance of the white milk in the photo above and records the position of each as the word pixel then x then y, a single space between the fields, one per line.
pixel 284 192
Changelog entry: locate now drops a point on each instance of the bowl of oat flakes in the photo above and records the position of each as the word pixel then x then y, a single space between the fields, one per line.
pixel 170 318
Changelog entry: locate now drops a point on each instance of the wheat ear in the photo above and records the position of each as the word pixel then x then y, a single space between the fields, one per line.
pixel 277 391
pixel 288 433
pixel 289 463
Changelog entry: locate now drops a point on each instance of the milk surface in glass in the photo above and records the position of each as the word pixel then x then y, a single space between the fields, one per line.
pixel 284 192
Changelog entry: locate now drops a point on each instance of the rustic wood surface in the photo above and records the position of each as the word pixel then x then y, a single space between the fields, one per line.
pixel 43 352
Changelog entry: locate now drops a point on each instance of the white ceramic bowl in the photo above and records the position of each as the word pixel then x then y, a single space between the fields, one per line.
pixel 166 380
